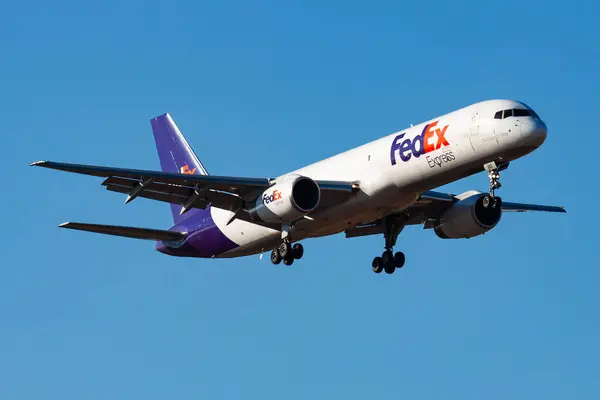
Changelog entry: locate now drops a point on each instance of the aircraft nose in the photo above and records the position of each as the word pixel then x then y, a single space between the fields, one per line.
pixel 534 131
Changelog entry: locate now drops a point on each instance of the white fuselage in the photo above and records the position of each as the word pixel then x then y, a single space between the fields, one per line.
pixel 393 171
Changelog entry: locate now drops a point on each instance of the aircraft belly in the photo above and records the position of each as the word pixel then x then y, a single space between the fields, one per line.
pixel 254 239
pixel 239 231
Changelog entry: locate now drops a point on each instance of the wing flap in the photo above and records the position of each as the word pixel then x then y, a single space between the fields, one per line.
pixel 223 200
pixel 374 228
pixel 432 196
pixel 126 231
pixel 150 194
pixel 178 190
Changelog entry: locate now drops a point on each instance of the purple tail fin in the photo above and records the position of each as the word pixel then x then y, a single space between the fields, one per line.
pixel 175 155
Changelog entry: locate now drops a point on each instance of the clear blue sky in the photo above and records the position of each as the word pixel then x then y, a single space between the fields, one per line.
pixel 261 88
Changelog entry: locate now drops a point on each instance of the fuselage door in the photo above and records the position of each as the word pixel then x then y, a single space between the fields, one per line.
pixel 475 123
pixel 474 136
pixel 482 131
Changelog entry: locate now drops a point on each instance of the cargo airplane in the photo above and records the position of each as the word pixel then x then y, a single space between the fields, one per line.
pixel 376 189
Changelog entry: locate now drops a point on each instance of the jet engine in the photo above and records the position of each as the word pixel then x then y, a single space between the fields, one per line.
pixel 290 198
pixel 474 214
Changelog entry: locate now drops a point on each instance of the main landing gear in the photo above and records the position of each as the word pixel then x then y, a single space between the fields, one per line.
pixel 287 253
pixel 389 261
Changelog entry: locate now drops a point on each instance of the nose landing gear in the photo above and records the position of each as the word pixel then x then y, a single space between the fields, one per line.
pixel 494 175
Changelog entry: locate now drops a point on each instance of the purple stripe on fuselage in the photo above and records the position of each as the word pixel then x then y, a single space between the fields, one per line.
pixel 204 239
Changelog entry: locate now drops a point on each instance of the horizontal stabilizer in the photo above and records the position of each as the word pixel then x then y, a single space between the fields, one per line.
pixel 126 231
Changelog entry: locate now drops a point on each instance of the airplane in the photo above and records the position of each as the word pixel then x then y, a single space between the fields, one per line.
pixel 378 188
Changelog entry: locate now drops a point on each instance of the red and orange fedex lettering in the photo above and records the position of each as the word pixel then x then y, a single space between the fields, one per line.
pixel 276 195
pixel 429 140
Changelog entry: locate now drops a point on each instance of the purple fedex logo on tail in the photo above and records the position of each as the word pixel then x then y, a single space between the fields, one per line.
pixel 429 140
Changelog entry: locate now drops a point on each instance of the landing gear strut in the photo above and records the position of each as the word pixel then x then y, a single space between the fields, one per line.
pixel 389 261
pixel 494 175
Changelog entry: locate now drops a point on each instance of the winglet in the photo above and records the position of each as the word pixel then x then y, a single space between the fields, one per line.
pixel 37 163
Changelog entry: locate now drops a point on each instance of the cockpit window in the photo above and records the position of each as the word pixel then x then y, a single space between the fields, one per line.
pixel 516 112
pixel 521 112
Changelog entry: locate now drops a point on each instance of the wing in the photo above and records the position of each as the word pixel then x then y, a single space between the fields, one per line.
pixel 522 207
pixel 195 191
pixel 225 183
pixel 430 206
pixel 443 200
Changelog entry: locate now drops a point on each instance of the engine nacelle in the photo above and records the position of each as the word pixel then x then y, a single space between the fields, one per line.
pixel 474 214
pixel 290 198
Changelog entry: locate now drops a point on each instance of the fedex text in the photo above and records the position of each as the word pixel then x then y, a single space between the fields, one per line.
pixel 276 195
pixel 431 139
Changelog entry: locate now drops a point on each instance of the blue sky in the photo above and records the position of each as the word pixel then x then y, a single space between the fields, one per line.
pixel 261 88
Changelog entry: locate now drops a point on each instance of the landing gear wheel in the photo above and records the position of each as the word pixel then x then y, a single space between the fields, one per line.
pixel 284 249
pixel 399 259
pixel 486 201
pixel 298 251
pixel 387 257
pixel 389 268
pixel 491 202
pixel 377 265
pixel 275 257
pixel 388 262
pixel 288 261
